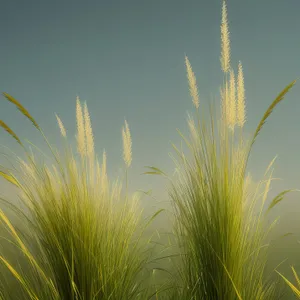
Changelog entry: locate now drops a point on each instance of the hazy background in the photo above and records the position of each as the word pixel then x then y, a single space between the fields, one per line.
pixel 126 59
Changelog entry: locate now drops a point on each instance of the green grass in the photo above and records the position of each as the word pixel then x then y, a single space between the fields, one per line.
pixel 83 236
pixel 85 230
pixel 223 254
pixel 223 251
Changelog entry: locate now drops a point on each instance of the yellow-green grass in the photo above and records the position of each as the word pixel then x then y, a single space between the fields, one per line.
pixel 83 232
pixel 294 288
pixel 223 252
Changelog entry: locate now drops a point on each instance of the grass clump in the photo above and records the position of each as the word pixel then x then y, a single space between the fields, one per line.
pixel 83 232
pixel 223 255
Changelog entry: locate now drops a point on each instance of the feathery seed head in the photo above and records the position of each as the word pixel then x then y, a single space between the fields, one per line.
pixel 80 129
pixel 241 111
pixel 225 41
pixel 127 144
pixel 88 133
pixel 61 126
pixel 192 83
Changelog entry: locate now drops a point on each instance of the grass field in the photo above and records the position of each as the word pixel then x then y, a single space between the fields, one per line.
pixel 77 234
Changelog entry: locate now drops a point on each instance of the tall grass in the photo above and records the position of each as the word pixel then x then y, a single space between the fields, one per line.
pixel 83 231
pixel 222 236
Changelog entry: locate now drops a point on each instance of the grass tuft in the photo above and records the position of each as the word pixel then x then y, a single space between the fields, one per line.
pixel 83 232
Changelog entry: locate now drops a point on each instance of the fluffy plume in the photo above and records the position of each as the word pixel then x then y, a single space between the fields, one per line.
pixel 241 112
pixel 61 126
pixel 80 129
pixel 192 83
pixel 88 133
pixel 225 41
pixel 232 102
pixel 127 154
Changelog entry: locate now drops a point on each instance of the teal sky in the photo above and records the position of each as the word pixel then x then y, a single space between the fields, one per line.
pixel 126 59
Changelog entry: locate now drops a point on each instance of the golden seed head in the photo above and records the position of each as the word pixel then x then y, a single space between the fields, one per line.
pixel 61 126
pixel 232 102
pixel 80 128
pixel 127 144
pixel 225 41
pixel 192 83
pixel 241 111
pixel 88 133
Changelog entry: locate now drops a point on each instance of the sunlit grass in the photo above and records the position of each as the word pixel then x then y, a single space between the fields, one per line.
pixel 85 229
pixel 295 289
pixel 223 254
pixel 82 235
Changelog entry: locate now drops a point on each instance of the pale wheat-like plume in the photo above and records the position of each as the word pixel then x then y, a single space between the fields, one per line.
pixel 61 126
pixel 192 83
pixel 127 154
pixel 241 111
pixel 232 102
pixel 80 129
pixel 88 133
pixel 225 41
